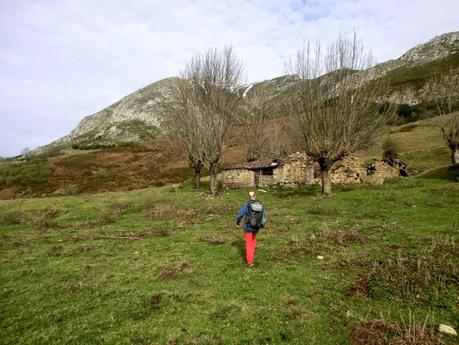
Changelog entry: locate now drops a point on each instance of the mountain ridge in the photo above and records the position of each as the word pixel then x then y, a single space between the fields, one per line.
pixel 137 116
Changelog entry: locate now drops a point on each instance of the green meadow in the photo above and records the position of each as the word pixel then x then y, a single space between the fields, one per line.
pixel 369 265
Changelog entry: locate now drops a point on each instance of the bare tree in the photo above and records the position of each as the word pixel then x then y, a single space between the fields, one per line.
pixel 334 113
pixel 445 90
pixel 210 103
pixel 179 119
pixel 255 126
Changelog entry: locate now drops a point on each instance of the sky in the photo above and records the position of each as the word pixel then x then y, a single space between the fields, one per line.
pixel 61 60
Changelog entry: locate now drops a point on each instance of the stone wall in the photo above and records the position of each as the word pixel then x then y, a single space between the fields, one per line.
pixel 238 178
pixel 266 180
pixel 348 170
pixel 352 170
pixel 388 169
pixel 295 172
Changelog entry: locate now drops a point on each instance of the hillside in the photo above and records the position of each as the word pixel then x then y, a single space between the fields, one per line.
pixel 157 162
pixel 137 117
pixel 370 265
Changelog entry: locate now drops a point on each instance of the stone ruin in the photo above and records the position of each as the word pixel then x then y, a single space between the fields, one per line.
pixel 297 168
pixel 354 170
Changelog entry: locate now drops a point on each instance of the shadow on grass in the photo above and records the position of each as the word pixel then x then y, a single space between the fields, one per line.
pixel 240 245
pixel 450 173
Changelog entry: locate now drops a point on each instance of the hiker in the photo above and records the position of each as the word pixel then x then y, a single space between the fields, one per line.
pixel 255 219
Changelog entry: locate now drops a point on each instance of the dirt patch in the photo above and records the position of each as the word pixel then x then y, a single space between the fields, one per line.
pixel 121 235
pixel 372 332
pixel 360 286
pixel 7 193
pixel 169 272
pixel 212 240
pixel 283 254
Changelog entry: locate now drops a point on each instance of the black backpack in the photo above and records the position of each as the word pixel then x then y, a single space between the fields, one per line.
pixel 255 216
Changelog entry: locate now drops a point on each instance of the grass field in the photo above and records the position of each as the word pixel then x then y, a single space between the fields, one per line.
pixel 154 266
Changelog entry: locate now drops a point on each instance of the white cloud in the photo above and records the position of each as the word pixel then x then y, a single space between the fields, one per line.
pixel 62 60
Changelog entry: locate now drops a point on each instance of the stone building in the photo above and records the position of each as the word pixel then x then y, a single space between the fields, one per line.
pixel 297 169
pixel 292 169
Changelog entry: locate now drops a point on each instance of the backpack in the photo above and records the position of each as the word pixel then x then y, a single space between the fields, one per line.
pixel 255 216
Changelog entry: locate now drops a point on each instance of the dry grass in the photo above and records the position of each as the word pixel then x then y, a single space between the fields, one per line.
pixel 428 276
pixel 325 239
pixel 121 235
pixel 165 210
pixel 408 331
pixel 47 218
pixel 121 208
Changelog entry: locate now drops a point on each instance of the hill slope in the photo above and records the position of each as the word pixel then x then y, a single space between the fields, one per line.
pixel 137 117
pixel 157 162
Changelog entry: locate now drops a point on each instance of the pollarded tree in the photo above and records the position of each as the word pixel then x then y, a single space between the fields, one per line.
pixel 255 126
pixel 333 108
pixel 180 121
pixel 445 91
pixel 211 80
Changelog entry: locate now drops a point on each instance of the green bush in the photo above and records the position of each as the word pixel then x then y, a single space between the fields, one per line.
pixel 391 149
pixel 404 110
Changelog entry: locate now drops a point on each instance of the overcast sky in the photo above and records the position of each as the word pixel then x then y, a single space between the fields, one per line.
pixel 62 60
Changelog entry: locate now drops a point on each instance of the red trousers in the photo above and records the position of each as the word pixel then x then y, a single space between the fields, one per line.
pixel 250 243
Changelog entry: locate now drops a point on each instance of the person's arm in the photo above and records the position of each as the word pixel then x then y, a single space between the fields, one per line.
pixel 241 214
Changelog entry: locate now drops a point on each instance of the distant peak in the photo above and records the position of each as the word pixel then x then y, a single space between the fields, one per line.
pixel 438 47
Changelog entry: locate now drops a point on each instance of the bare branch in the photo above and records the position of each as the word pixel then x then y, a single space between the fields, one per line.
pixel 333 113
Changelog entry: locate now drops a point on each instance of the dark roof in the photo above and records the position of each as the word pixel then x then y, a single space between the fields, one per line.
pixel 266 163
pixel 261 164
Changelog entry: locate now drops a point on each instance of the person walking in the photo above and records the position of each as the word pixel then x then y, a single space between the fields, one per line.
pixel 255 219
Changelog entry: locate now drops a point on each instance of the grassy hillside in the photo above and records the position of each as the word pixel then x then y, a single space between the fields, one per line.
pixel 92 171
pixel 421 146
pixel 154 266
pixel 158 162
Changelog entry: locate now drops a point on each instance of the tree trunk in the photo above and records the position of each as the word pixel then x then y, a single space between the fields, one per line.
pixel 455 155
pixel 326 182
pixel 213 179
pixel 197 177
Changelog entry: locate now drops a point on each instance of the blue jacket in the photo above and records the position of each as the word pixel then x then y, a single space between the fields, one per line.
pixel 244 212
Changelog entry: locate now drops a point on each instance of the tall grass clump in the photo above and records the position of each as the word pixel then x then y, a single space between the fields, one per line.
pixel 429 276
pixel 409 330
